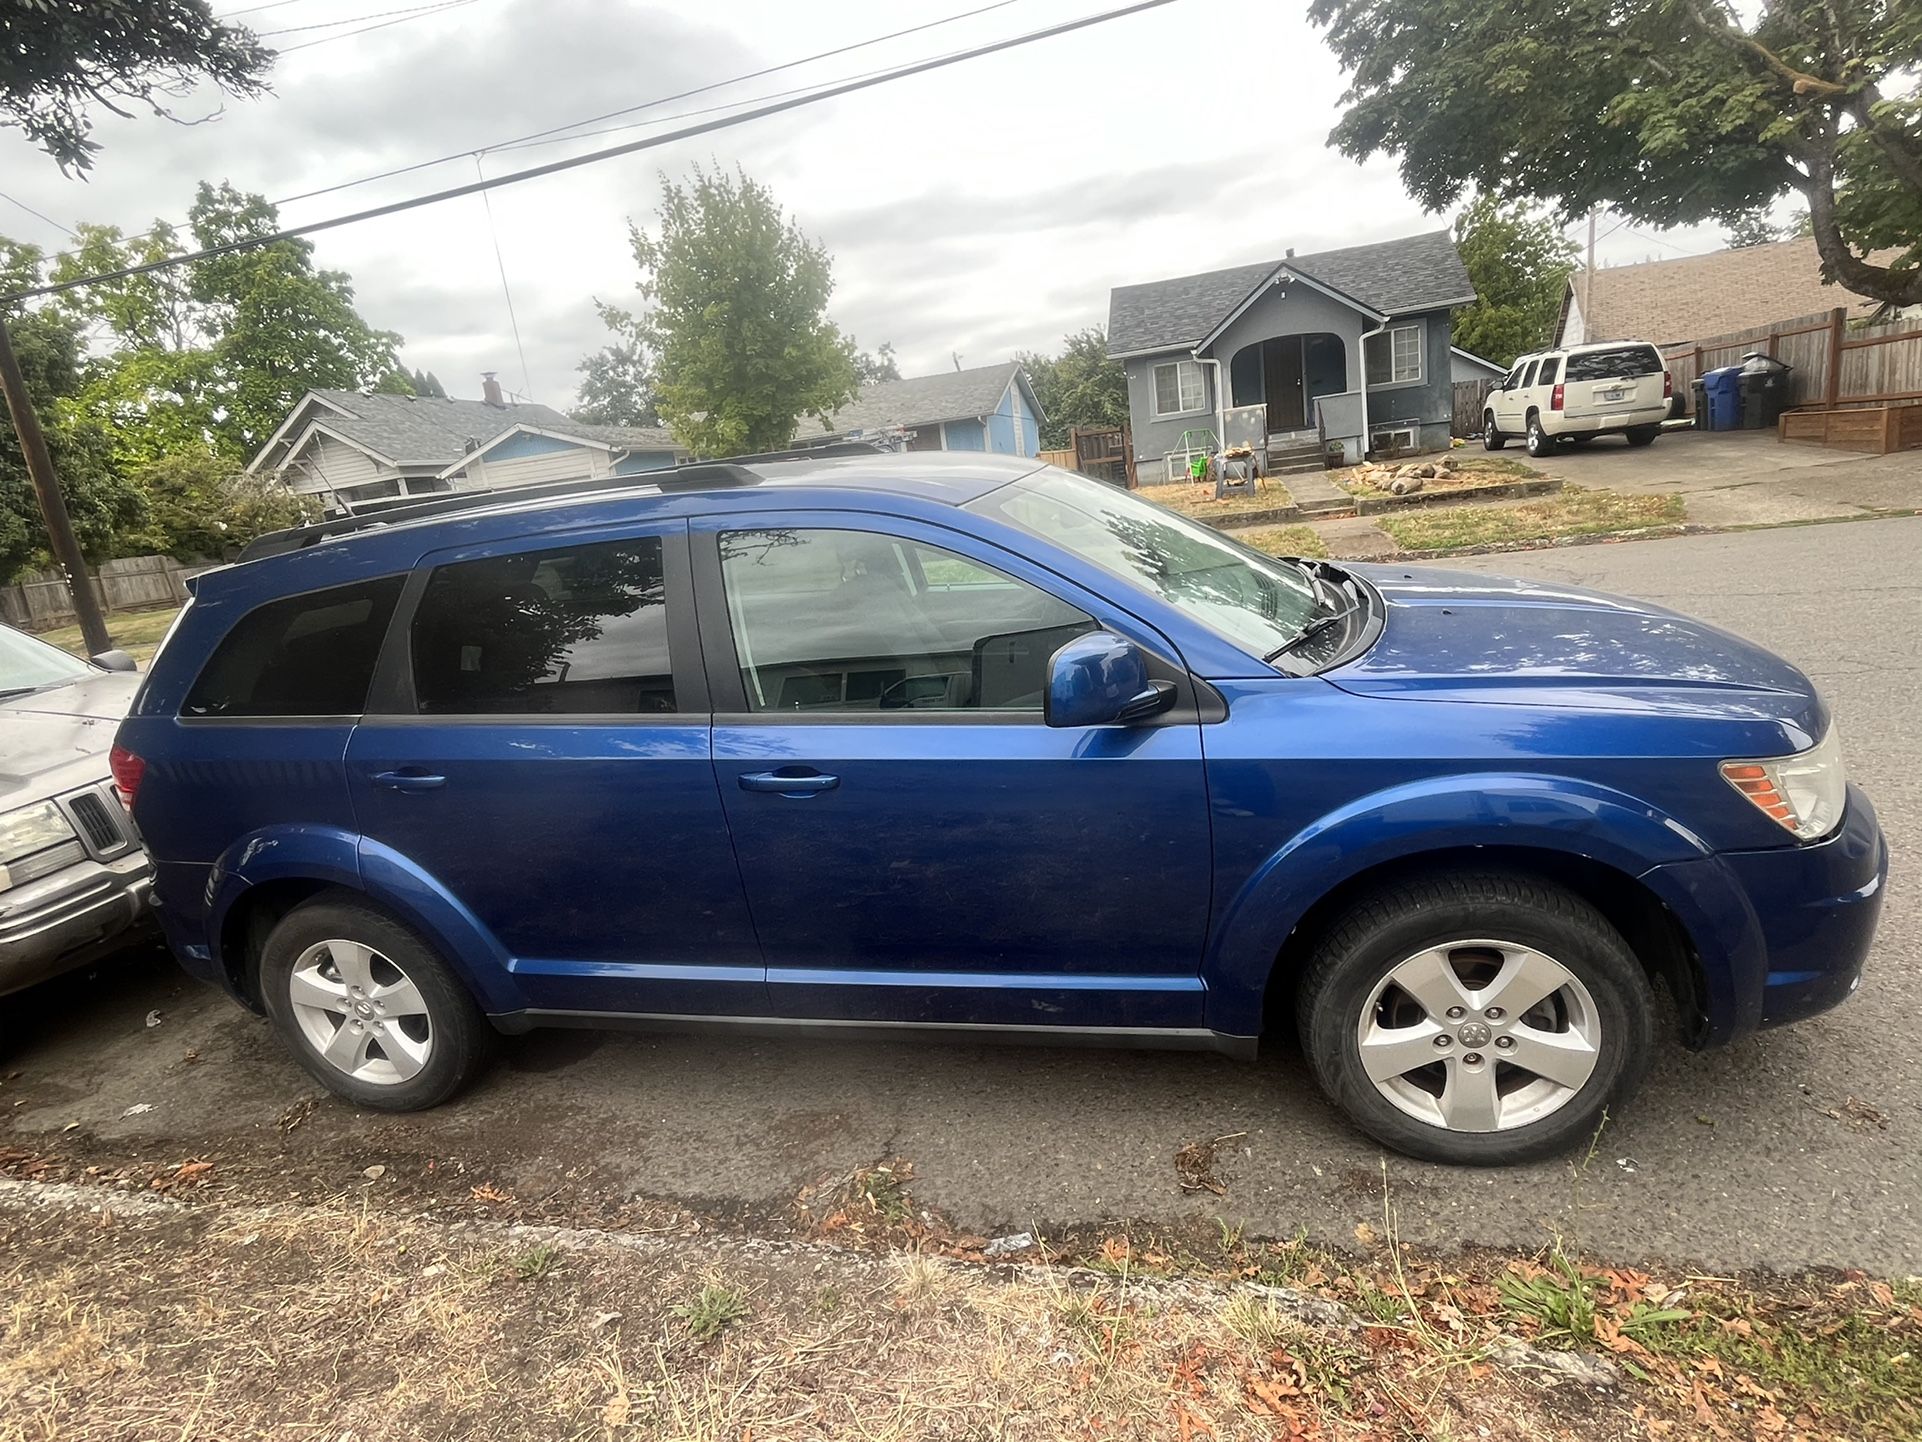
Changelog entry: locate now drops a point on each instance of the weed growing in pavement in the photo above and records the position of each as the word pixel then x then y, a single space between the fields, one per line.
pixel 532 1265
pixel 711 1311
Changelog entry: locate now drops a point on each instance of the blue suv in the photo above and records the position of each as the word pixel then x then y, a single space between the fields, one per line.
pixel 924 744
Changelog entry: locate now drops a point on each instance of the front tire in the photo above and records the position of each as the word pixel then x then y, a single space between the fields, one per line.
pixel 1540 442
pixel 368 1008
pixel 1477 1018
pixel 1492 438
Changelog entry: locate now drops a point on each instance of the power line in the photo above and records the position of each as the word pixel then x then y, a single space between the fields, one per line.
pixel 523 140
pixel 36 214
pixel 351 20
pixel 594 157
pixel 256 9
pixel 501 262
pixel 405 18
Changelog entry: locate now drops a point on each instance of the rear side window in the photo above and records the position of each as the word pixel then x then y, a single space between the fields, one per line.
pixel 1550 369
pixel 581 631
pixel 1613 362
pixel 307 655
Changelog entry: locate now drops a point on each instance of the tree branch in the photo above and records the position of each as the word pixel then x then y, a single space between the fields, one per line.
pixel 1893 143
pixel 1801 82
pixel 1878 282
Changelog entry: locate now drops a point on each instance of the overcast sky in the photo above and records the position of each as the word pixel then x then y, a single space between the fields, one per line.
pixel 978 210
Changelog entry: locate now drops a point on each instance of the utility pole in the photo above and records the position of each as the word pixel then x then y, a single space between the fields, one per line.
pixel 53 506
pixel 1588 280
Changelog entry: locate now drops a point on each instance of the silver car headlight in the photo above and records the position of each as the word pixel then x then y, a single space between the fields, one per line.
pixel 25 832
pixel 1806 792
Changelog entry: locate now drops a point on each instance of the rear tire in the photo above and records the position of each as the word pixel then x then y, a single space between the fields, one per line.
pixel 1492 438
pixel 368 1008
pixel 1642 435
pixel 1463 940
pixel 1540 442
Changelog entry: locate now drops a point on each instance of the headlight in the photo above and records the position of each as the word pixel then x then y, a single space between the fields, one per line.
pixel 26 834
pixel 1805 792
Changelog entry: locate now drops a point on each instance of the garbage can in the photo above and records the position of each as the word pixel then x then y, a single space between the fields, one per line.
pixel 1765 390
pixel 1699 399
pixel 1723 388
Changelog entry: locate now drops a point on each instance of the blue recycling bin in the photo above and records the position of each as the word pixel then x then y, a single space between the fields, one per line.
pixel 1722 388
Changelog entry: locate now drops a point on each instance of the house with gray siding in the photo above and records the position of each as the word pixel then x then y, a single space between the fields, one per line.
pixel 351 448
pixel 1344 350
pixel 983 408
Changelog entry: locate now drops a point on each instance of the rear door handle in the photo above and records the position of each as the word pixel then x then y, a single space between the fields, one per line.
pixel 407 780
pixel 796 783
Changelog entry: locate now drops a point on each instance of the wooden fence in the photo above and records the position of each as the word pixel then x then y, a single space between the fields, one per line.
pixel 133 583
pixel 1469 398
pixel 1835 363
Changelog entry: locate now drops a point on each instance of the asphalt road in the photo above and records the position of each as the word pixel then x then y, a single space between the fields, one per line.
pixel 1727 1159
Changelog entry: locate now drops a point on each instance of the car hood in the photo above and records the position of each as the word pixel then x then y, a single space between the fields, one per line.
pixel 1452 636
pixel 59 738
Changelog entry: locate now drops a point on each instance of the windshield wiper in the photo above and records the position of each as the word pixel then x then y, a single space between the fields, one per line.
pixel 12 691
pixel 1311 630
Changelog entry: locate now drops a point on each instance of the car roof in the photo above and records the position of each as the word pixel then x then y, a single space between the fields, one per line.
pixel 940 478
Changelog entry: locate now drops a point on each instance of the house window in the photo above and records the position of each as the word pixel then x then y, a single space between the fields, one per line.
pixel 1178 388
pixel 1394 356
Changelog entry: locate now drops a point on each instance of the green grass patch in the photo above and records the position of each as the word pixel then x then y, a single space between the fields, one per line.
pixel 136 632
pixel 1285 541
pixel 711 1311
pixel 1574 512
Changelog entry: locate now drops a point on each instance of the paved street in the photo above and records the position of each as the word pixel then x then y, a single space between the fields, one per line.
pixel 1727 1159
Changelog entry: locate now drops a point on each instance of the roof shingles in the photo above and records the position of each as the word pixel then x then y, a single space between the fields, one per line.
pixel 424 430
pixel 923 400
pixel 1391 277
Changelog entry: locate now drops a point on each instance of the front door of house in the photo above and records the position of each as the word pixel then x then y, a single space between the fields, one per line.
pixel 1281 370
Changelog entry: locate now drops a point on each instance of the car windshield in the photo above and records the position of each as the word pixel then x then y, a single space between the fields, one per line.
pixel 1256 601
pixel 27 664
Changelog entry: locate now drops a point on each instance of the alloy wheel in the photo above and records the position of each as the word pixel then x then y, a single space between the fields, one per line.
pixel 362 1014
pixel 1479 1036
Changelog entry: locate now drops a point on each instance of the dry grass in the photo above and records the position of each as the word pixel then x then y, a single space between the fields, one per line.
pixel 330 1322
pixel 1574 512
pixel 1284 540
pixel 1199 501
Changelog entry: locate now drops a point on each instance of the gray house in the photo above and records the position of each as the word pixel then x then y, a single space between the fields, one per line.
pixel 1349 347
pixel 983 408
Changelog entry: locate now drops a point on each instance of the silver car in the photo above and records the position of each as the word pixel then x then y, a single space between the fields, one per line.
pixel 74 881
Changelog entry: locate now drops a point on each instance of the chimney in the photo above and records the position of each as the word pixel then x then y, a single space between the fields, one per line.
pixel 491 390
pixel 1291 253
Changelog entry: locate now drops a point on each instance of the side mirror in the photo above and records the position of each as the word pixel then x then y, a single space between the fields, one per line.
pixel 115 660
pixel 1101 679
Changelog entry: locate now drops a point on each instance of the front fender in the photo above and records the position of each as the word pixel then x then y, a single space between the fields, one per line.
pixel 341 858
pixel 1543 813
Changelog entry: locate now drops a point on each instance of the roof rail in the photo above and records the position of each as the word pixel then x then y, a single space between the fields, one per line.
pixel 692 476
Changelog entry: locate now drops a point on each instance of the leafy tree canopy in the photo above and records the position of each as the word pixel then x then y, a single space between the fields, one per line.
pixel 201 506
pixel 1520 263
pixel 617 381
pixel 1079 387
pixel 58 58
pixel 213 353
pixel 1668 111
pixel 737 317
pixel 103 505
pixel 880 366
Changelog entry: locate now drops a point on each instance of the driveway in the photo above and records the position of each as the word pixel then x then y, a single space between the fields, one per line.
pixel 1798 1147
pixel 1738 478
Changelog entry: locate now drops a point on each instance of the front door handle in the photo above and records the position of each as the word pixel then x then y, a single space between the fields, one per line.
pixel 788 781
pixel 407 780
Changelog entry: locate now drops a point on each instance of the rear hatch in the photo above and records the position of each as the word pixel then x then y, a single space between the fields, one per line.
pixel 1615 380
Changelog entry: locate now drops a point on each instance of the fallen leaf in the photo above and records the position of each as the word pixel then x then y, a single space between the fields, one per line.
pixel 1366 1234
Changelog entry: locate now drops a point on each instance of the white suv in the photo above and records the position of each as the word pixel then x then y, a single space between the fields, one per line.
pixel 1578 393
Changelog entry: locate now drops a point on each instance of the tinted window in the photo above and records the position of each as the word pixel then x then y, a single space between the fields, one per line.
pixel 1614 361
pixel 571 632
pixel 309 655
pixel 1528 376
pixel 854 621
pixel 1551 368
pixel 1514 377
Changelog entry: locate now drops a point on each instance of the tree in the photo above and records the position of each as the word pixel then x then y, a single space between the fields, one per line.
pixel 58 58
pixel 1520 262
pixel 880 366
pixel 1669 111
pixel 215 352
pixel 201 506
pixel 737 317
pixel 104 507
pixel 1080 387
pixel 1754 229
pixel 426 383
pixel 617 388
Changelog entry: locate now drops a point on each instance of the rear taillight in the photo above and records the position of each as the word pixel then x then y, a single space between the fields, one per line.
pixel 1668 386
pixel 1555 398
pixel 127 770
